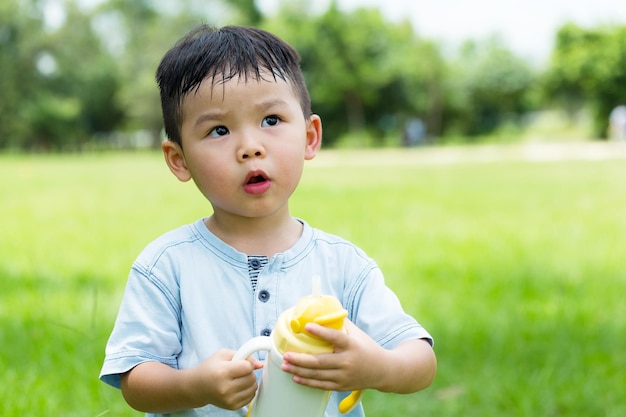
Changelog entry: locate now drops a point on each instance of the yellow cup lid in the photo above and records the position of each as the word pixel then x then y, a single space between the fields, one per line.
pixel 290 334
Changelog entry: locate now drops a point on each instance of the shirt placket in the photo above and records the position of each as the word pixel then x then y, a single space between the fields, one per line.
pixel 266 301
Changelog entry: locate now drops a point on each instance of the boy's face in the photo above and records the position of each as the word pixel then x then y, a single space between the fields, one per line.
pixel 244 145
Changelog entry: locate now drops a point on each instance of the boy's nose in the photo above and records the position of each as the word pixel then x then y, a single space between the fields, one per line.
pixel 250 148
pixel 248 155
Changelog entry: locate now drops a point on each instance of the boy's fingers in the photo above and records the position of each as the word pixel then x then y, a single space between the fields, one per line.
pixel 255 363
pixel 334 337
pixel 294 362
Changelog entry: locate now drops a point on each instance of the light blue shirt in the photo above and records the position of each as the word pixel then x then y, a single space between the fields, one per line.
pixel 189 295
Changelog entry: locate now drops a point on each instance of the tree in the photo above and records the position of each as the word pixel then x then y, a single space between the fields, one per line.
pixel 487 84
pixel 94 84
pixel 249 11
pixel 20 38
pixel 58 88
pixel 588 67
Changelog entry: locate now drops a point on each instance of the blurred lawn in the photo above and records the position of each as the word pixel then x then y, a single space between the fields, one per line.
pixel 516 268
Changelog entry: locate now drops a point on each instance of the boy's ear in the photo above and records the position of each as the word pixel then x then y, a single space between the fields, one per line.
pixel 175 160
pixel 313 136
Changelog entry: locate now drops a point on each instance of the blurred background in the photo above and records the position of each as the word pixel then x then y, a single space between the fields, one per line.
pixel 79 74
pixel 502 229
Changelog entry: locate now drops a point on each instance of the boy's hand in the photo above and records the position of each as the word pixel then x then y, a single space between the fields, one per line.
pixel 225 383
pixel 154 387
pixel 356 363
pixel 359 363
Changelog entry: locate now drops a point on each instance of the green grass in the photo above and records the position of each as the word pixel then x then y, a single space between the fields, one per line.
pixel 517 269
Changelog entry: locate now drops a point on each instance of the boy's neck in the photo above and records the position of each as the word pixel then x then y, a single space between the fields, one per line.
pixel 254 236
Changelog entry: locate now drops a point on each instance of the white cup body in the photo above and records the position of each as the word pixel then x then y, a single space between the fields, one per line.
pixel 278 395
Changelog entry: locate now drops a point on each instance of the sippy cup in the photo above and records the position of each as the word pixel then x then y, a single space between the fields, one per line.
pixel 278 395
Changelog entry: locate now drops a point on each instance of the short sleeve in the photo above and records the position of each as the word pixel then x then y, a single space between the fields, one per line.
pixel 147 326
pixel 379 313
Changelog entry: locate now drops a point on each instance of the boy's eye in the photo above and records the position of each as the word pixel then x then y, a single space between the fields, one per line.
pixel 218 131
pixel 270 121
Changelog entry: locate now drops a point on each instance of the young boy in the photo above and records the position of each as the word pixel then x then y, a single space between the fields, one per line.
pixel 238 120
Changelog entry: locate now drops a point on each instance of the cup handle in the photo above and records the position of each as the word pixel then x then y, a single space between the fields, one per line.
pixel 253 345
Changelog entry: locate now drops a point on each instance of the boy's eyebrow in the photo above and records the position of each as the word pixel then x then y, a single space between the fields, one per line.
pixel 207 117
pixel 276 102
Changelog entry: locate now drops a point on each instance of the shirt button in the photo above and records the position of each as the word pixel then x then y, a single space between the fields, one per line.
pixel 255 263
pixel 266 332
pixel 264 296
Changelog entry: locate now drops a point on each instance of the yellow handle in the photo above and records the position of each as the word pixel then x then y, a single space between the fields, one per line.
pixel 347 404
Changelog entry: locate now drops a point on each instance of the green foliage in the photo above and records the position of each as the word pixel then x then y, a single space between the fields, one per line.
pixel 488 84
pixel 589 68
pixel 249 11
pixel 51 102
pixel 515 267
pixel 19 39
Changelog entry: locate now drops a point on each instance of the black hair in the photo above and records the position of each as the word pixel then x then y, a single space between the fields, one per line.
pixel 222 54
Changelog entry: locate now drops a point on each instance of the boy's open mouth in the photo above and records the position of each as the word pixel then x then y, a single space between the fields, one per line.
pixel 256 179
pixel 257 182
